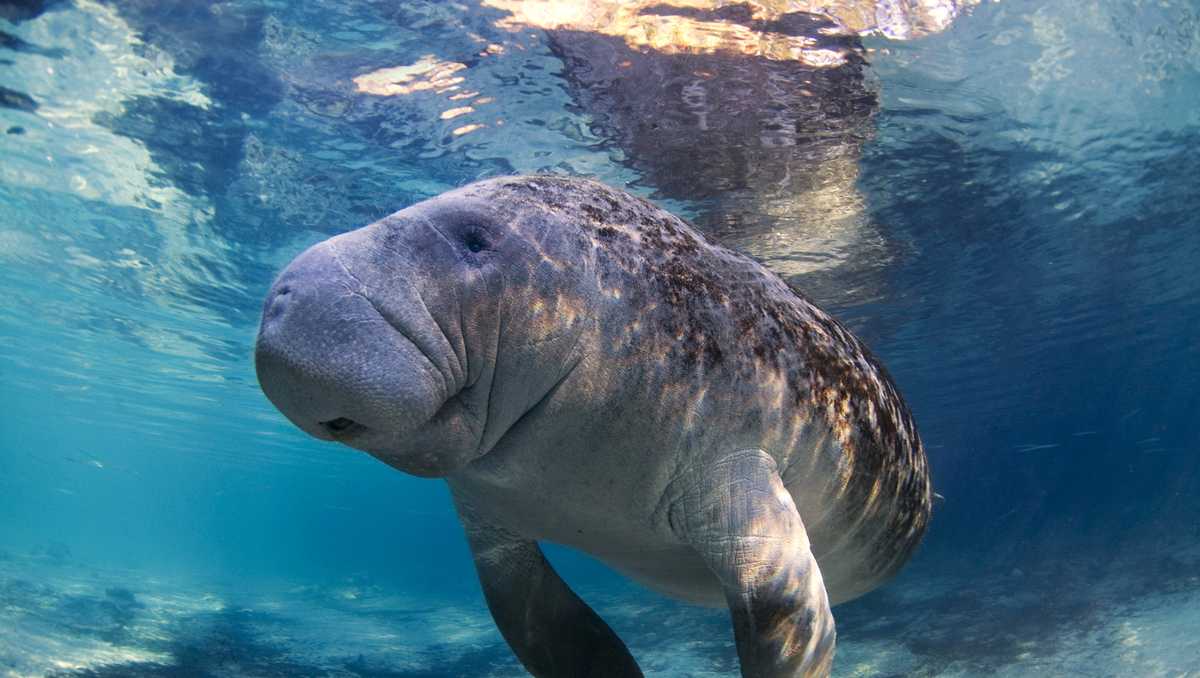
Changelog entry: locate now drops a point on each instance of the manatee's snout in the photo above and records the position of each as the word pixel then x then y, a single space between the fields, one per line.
pixel 424 338
pixel 331 361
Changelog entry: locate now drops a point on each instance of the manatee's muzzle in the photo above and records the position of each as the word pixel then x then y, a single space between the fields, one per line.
pixel 334 365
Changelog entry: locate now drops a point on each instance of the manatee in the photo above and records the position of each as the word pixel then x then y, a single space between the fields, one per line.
pixel 584 368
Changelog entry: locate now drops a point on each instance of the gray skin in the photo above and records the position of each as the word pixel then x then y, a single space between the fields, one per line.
pixel 584 368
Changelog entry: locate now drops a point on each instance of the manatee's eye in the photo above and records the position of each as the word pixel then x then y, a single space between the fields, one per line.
pixel 475 241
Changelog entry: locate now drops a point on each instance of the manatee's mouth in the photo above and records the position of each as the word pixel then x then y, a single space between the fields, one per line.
pixel 342 428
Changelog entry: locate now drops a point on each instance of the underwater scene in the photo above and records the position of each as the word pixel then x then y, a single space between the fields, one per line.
pixel 1000 198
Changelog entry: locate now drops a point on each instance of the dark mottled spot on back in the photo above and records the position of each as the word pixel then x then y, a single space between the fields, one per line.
pixel 594 213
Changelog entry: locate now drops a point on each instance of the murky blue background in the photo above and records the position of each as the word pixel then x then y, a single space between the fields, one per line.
pixel 1014 227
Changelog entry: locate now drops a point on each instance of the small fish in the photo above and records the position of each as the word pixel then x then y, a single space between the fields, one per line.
pixel 1006 515
pixel 1147 441
pixel 1078 434
pixel 1043 446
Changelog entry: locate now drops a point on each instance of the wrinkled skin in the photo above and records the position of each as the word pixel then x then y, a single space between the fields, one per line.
pixel 583 368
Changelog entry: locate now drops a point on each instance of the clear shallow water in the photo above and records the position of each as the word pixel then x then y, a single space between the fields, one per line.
pixel 1006 212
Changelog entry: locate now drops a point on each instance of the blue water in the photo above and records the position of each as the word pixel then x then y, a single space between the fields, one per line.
pixel 1006 209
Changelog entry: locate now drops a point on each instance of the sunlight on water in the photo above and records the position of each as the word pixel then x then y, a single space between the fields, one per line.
pixel 999 197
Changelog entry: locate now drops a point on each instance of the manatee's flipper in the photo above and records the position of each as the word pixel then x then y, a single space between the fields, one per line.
pixel 742 521
pixel 548 627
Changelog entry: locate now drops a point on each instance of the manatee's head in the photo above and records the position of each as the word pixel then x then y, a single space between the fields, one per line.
pixel 422 338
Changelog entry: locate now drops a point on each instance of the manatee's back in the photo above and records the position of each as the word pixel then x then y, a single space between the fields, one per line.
pixel 876 507
pixel 714 336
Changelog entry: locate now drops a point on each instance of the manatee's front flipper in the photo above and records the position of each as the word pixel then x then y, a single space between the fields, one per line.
pixel 552 631
pixel 740 518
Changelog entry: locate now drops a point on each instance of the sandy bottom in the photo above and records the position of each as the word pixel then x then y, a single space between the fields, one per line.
pixel 1060 619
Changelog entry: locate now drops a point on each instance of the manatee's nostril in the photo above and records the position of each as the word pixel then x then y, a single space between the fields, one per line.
pixel 338 425
pixel 279 301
